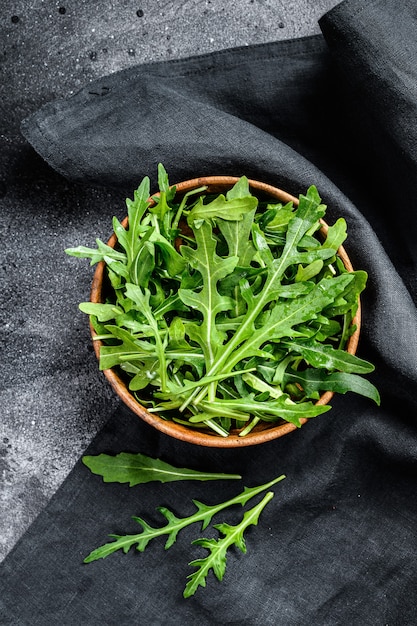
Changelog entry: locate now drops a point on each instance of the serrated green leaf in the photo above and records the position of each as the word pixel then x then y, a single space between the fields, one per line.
pixel 325 356
pixel 276 217
pixel 233 209
pixel 218 548
pixel 284 316
pixel 96 254
pixel 207 300
pixel 143 264
pixel 141 299
pixel 237 236
pixel 203 515
pixel 269 410
pixel 174 262
pixel 315 380
pixel 111 355
pixel 136 209
pixel 163 182
pixel 348 300
pixel 264 253
pixel 244 285
pixel 145 373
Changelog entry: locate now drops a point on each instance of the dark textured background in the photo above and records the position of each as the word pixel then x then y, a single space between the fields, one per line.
pixel 50 50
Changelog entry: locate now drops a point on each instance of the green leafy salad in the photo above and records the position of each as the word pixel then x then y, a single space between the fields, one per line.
pixel 226 311
pixel 139 468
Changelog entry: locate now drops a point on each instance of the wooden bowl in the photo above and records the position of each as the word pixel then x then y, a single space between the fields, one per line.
pixel 263 432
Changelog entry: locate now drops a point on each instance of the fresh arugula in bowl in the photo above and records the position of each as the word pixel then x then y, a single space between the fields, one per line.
pixel 226 311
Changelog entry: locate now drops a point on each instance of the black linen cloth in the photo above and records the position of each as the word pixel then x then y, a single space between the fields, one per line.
pixel 338 543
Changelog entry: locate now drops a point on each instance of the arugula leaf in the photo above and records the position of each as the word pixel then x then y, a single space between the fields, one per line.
pixel 312 269
pixel 276 217
pixel 136 469
pixel 316 381
pixel 307 215
pixel 136 208
pixel 236 234
pixel 208 301
pixel 141 300
pixel 143 264
pixel 205 291
pixel 348 301
pixel 103 312
pixel 131 347
pixel 336 234
pixel 231 209
pixel 101 253
pixel 284 316
pixel 270 410
pixel 326 357
pixel 204 514
pixel 216 560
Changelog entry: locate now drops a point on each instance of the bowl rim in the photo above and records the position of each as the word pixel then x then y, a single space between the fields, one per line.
pixel 259 434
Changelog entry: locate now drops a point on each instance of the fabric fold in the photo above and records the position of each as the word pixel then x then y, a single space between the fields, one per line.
pixel 374 46
pixel 182 113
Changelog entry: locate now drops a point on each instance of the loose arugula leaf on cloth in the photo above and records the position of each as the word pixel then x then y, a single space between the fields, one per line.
pixel 216 560
pixel 205 289
pixel 139 468
pixel 204 514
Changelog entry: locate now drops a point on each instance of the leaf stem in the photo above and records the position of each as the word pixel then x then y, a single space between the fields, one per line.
pixel 181 207
pixel 250 426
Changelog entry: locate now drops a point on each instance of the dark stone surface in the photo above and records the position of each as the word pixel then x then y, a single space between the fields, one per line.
pixel 53 399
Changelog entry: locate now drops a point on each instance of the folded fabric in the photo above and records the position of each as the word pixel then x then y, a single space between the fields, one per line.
pixel 338 543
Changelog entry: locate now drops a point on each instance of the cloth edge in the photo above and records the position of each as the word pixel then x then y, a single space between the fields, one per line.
pixel 42 141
